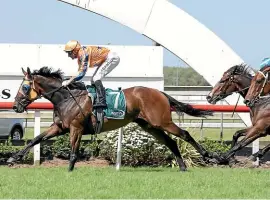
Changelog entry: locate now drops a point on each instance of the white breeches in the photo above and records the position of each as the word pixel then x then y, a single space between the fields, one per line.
pixel 110 63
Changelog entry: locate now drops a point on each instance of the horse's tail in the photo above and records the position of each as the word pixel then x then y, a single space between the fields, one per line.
pixel 179 107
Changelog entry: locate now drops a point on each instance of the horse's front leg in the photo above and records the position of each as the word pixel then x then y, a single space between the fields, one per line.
pixel 260 153
pixel 75 139
pixel 237 135
pixel 235 138
pixel 50 133
pixel 253 133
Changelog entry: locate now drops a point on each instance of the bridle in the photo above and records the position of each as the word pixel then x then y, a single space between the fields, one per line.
pixel 231 80
pixel 260 96
pixel 26 97
pixel 26 94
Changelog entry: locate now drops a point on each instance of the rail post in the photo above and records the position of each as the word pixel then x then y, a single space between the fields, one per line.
pixel 255 149
pixel 36 133
pixel 221 123
pixel 119 146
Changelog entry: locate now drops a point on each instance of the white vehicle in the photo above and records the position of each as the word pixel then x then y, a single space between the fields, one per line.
pixel 11 127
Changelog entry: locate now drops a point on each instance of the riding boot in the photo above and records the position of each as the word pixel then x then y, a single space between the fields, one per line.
pixel 101 95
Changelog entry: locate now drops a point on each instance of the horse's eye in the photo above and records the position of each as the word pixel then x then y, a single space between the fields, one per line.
pixel 26 89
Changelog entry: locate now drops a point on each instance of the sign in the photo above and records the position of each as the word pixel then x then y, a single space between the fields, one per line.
pixel 139 66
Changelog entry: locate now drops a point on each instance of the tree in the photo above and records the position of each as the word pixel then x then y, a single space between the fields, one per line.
pixel 183 76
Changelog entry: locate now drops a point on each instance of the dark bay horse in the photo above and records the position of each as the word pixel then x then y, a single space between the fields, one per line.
pixel 258 98
pixel 238 79
pixel 149 108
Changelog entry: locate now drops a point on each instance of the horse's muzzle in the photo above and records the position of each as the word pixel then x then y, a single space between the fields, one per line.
pixel 18 108
pixel 249 103
pixel 246 101
pixel 210 99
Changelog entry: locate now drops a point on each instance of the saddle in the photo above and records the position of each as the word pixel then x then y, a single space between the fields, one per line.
pixel 115 99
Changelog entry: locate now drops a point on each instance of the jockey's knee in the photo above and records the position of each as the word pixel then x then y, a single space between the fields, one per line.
pixel 114 58
pixel 117 60
pixel 96 78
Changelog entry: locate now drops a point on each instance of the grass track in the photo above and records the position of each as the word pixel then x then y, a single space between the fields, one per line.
pixel 91 182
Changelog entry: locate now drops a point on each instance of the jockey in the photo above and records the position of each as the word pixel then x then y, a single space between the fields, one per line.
pixel 92 56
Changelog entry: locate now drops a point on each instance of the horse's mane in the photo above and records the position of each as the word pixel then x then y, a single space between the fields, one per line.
pixel 47 72
pixel 242 68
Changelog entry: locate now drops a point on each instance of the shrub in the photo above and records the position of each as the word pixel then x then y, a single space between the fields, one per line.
pixel 7 150
pixel 215 146
pixel 139 148
pixel 61 148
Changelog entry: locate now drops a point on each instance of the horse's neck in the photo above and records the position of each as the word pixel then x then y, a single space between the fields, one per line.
pixel 58 96
pixel 244 88
pixel 62 95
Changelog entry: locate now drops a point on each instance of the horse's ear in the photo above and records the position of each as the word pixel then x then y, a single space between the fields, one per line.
pixel 234 70
pixel 24 72
pixel 28 71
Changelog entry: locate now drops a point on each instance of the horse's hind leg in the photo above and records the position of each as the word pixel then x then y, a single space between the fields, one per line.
pixel 163 138
pixel 183 134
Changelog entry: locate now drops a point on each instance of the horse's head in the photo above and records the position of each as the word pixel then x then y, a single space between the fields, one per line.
pixel 235 79
pixel 35 85
pixel 260 86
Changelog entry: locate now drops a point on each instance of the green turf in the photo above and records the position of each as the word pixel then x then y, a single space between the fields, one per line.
pixel 161 183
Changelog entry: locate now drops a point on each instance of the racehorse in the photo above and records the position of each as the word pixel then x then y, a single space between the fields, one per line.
pixel 149 108
pixel 238 79
pixel 258 97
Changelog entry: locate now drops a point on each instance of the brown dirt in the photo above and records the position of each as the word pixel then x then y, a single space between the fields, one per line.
pixel 98 162
pixel 244 162
pixel 60 162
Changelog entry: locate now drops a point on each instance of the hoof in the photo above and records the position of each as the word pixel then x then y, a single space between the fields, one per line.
pixel 252 158
pixel 207 160
pixel 10 164
pixel 218 161
pixel 183 169
pixel 70 168
pixel 232 162
pixel 214 155
pixel 11 161
pixel 213 161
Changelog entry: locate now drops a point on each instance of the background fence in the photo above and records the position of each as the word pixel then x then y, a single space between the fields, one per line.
pixel 221 126
pixel 39 108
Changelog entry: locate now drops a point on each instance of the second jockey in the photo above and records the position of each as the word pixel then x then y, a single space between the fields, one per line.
pixel 265 62
pixel 92 56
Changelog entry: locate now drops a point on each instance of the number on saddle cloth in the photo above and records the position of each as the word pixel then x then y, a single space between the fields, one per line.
pixel 115 99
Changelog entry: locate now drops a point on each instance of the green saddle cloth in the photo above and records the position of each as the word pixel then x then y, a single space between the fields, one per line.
pixel 116 102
